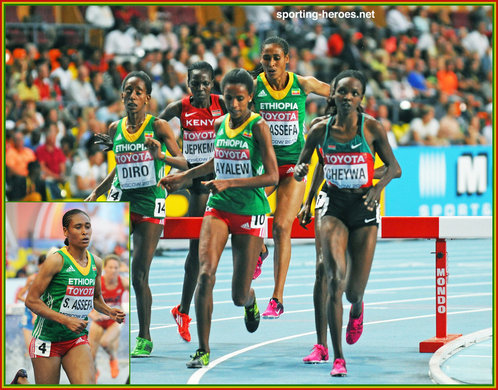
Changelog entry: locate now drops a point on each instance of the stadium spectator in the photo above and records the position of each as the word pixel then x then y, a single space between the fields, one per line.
pixel 18 156
pixel 52 161
pixel 424 129
pixel 100 16
pixel 88 172
pixel 81 92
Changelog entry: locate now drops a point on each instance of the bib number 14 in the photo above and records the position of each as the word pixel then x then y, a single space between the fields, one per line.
pixel 160 208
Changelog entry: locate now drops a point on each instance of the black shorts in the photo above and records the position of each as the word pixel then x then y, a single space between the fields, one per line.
pixel 197 187
pixel 349 207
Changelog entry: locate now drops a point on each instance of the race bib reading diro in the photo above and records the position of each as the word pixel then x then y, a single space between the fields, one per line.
pixel 136 169
pixel 284 126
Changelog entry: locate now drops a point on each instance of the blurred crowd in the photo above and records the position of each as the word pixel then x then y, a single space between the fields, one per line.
pixel 429 68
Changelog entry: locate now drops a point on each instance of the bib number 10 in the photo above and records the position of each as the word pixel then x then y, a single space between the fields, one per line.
pixel 258 221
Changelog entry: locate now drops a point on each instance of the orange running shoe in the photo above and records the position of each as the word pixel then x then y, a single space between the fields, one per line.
pixel 114 367
pixel 183 322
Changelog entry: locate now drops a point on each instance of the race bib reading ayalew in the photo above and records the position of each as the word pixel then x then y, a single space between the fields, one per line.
pixel 229 163
pixel 136 169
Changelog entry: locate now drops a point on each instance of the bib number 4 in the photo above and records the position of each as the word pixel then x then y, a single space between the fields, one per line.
pixel 42 347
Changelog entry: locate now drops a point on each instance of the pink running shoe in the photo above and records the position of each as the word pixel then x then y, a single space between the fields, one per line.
pixel 319 354
pixel 261 258
pixel 274 310
pixel 355 327
pixel 339 368
pixel 183 321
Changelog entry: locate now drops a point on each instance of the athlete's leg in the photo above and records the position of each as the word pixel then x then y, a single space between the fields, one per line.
pixel 47 370
pixel 290 195
pixel 110 339
pixel 196 208
pixel 320 289
pixel 78 365
pixel 145 238
pixel 334 239
pixel 213 238
pixel 362 243
pixel 245 249
pixel 94 336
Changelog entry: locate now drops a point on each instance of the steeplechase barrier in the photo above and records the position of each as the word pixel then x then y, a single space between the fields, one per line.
pixel 438 228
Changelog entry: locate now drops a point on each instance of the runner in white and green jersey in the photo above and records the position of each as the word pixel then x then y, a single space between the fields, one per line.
pixel 244 163
pixel 139 141
pixel 280 98
pixel 62 295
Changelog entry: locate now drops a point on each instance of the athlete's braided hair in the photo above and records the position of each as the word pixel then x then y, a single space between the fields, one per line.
pixel 66 219
pixel 269 41
pixel 141 75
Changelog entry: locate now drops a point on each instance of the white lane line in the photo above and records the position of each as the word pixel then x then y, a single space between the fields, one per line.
pixel 370 291
pixel 156 327
pixel 197 376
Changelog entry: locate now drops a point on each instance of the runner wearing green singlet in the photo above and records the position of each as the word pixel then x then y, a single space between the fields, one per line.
pixel 63 293
pixel 244 162
pixel 138 142
pixel 280 98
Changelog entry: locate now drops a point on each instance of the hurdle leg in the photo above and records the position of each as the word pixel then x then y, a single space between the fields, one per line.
pixel 442 337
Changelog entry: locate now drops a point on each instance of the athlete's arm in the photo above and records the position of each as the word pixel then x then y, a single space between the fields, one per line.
pixel 312 85
pixel 51 266
pixel 172 110
pixel 24 289
pixel 98 300
pixel 166 136
pixel 304 215
pixel 102 188
pixel 378 137
pixel 314 138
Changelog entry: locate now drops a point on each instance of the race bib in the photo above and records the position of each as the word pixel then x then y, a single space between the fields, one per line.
pixel 284 126
pixel 347 170
pixel 42 348
pixel 320 200
pixel 114 194
pixel 230 163
pixel 198 146
pixel 160 208
pixel 78 301
pixel 258 221
pixel 136 170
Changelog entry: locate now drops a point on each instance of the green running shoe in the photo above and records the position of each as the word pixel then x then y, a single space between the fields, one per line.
pixel 199 360
pixel 142 349
pixel 251 317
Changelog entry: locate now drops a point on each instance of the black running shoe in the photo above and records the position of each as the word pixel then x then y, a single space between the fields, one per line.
pixel 251 317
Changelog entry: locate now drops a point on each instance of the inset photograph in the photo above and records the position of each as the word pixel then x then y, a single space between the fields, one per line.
pixel 66 293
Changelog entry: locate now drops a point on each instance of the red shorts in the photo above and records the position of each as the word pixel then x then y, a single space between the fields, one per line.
pixel 254 225
pixel 138 218
pixel 287 170
pixel 41 348
pixel 105 323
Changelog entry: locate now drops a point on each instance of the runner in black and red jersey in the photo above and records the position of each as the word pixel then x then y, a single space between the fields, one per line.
pixel 197 114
